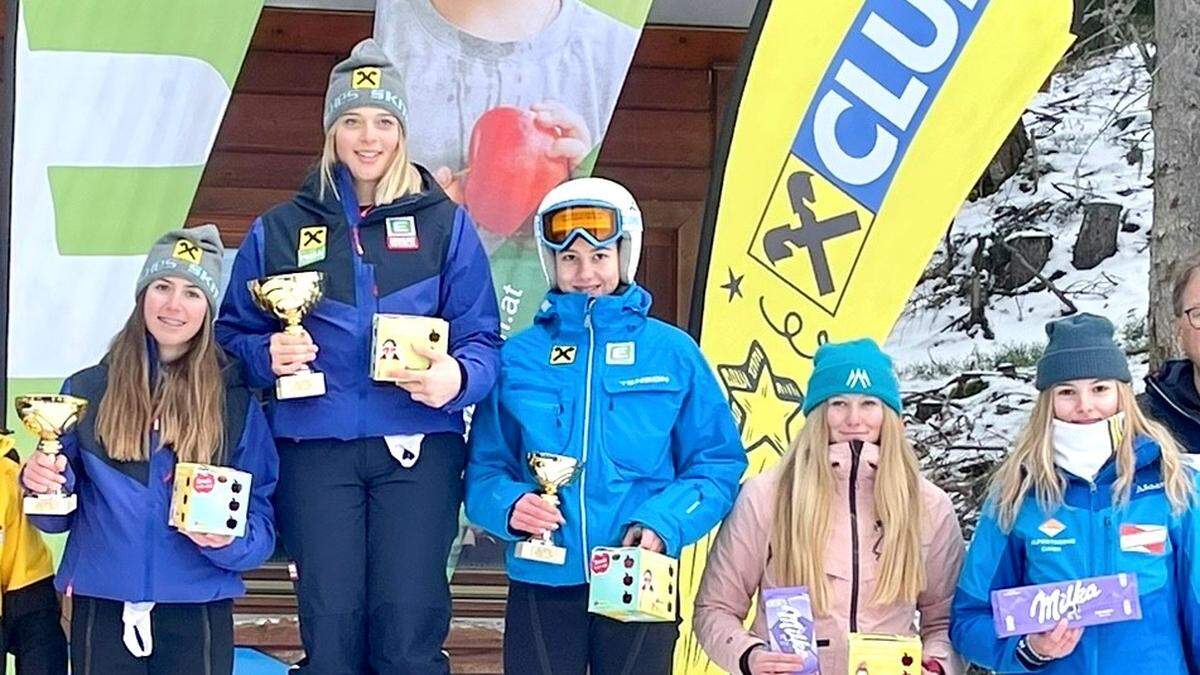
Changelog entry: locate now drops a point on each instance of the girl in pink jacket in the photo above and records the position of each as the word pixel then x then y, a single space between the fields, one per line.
pixel 845 513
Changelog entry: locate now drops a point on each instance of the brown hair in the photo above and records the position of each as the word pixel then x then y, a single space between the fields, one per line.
pixel 187 397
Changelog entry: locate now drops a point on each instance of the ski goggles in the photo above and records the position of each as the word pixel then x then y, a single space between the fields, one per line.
pixel 598 224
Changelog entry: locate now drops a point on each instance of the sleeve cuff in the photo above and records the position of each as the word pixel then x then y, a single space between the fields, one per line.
pixel 1028 657
pixel 744 661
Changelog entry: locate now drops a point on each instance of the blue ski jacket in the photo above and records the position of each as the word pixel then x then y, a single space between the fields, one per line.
pixel 120 545
pixel 631 398
pixel 1085 537
pixel 417 255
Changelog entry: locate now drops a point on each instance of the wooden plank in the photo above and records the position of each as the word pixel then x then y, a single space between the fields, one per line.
pixel 674 47
pixel 272 123
pixel 311 31
pixel 666 89
pixel 649 182
pixel 658 138
pixel 243 201
pixel 228 168
pixel 286 72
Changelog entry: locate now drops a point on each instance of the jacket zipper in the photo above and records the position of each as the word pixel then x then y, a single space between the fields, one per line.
pixel 152 483
pixel 587 422
pixel 364 313
pixel 855 454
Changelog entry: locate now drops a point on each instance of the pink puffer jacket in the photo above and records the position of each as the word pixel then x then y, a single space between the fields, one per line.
pixel 737 570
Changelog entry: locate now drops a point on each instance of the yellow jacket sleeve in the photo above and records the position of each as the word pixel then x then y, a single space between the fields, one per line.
pixel 24 557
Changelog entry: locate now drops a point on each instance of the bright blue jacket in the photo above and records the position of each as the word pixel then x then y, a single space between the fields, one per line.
pixel 441 271
pixel 120 546
pixel 636 403
pixel 1167 638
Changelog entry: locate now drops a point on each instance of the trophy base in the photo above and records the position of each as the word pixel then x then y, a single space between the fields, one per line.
pixel 300 385
pixel 536 550
pixel 56 504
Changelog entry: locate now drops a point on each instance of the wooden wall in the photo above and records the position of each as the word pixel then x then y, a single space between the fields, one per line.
pixel 660 142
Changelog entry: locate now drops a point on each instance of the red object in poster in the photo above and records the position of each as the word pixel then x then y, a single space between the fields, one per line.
pixel 510 168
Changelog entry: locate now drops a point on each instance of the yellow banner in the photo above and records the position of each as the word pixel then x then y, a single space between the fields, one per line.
pixel 858 129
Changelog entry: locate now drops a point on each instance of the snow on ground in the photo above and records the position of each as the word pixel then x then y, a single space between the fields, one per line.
pixel 1092 142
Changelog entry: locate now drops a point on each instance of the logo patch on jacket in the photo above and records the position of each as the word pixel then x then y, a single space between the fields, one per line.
pixel 312 245
pixel 562 355
pixel 1150 539
pixel 620 353
pixel 1052 527
pixel 402 234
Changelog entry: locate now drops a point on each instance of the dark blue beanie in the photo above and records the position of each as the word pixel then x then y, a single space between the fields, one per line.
pixel 855 367
pixel 1081 347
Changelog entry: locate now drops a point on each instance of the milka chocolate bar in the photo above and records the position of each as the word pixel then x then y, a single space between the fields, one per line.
pixel 1082 602
pixel 790 624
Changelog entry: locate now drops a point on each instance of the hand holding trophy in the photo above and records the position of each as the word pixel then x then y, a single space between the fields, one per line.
pixel 49 416
pixel 552 473
pixel 289 297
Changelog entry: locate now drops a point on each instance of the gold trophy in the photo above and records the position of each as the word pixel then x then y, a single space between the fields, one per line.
pixel 289 297
pixel 49 416
pixel 552 473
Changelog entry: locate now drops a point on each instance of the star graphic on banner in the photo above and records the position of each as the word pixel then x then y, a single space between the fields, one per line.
pixel 764 404
pixel 734 286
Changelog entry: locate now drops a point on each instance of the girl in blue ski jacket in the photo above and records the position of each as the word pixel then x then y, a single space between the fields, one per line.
pixel 633 400
pixel 370 472
pixel 1092 488
pixel 147 598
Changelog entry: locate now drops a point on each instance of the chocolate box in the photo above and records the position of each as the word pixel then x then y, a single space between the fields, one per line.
pixel 790 624
pixel 210 499
pixel 633 584
pixel 1082 602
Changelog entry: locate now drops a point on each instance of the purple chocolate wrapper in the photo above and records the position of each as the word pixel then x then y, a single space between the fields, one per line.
pixel 1082 602
pixel 790 624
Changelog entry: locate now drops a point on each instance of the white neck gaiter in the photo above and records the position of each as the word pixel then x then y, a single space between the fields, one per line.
pixel 1082 449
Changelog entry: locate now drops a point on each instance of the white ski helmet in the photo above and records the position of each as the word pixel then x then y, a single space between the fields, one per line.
pixel 624 226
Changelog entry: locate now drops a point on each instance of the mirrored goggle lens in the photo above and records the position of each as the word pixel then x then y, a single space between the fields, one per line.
pixel 598 222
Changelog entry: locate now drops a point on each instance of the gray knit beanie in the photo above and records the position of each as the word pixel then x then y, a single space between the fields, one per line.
pixel 194 254
pixel 1081 347
pixel 366 78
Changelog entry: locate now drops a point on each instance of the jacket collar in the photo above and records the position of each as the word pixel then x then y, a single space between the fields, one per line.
pixel 626 309
pixel 344 204
pixel 841 458
pixel 1175 382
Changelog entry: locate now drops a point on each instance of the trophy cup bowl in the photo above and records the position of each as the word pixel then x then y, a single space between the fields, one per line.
pixel 49 416
pixel 289 298
pixel 552 473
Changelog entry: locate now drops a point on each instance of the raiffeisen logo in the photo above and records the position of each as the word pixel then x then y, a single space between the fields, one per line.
pixel 853 137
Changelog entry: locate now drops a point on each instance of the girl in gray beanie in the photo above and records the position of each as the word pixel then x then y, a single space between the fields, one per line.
pixel 358 461
pixel 1092 488
pixel 148 598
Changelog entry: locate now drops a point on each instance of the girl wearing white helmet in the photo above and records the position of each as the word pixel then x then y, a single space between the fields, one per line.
pixel 634 402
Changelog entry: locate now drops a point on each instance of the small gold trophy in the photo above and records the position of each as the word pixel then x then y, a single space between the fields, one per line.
pixel 552 473
pixel 289 297
pixel 49 416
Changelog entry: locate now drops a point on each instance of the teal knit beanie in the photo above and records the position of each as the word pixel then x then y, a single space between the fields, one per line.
pixel 1081 347
pixel 855 367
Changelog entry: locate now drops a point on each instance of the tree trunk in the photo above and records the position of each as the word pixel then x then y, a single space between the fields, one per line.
pixel 1176 109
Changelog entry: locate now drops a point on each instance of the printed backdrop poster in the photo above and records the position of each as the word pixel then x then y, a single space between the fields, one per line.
pixel 858 128
pixel 117 106
pixel 502 119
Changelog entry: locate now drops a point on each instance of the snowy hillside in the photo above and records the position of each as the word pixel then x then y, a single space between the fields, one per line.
pixel 1091 143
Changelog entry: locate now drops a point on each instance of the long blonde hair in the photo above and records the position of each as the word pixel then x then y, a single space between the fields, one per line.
pixel 800 533
pixel 400 179
pixel 1030 466
pixel 187 397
